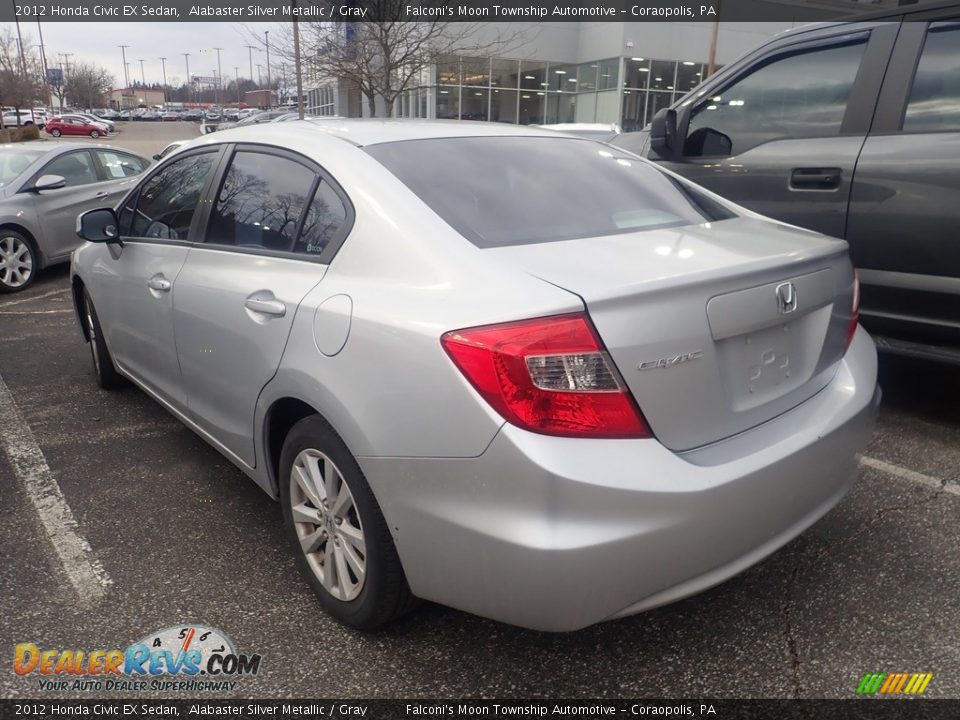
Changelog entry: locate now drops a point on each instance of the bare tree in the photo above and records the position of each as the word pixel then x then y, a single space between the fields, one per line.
pixel 382 56
pixel 21 83
pixel 87 85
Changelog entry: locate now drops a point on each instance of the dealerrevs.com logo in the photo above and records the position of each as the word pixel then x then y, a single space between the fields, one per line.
pixel 184 658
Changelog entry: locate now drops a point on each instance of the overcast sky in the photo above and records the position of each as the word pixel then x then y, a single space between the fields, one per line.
pixel 98 43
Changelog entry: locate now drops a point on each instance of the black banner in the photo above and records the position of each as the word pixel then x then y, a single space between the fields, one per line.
pixel 425 10
pixel 857 709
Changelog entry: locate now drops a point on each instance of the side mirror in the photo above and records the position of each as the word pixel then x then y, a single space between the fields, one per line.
pixel 99 226
pixel 49 182
pixel 157 156
pixel 663 134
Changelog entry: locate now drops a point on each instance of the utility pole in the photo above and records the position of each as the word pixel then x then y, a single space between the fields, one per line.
pixel 65 69
pixel 23 64
pixel 259 75
pixel 219 78
pixel 236 74
pixel 187 58
pixel 126 72
pixel 250 49
pixel 43 61
pixel 163 65
pixel 296 61
pixel 266 43
pixel 143 77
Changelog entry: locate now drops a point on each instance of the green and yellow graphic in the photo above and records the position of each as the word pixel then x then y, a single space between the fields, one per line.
pixel 894 683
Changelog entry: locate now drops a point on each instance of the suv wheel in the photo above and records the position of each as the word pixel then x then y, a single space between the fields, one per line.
pixel 340 538
pixel 18 261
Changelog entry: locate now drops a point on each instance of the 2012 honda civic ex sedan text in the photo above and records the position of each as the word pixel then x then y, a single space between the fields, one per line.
pixel 522 374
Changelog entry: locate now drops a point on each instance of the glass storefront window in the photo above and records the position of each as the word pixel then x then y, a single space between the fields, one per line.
pixel 587 77
pixel 532 107
pixel 689 75
pixel 474 103
pixel 561 108
pixel 662 74
pixel 637 72
pixel 476 71
pixel 503 105
pixel 609 76
pixel 656 102
pixel 505 74
pixel 533 75
pixel 448 103
pixel 448 71
pixel 562 78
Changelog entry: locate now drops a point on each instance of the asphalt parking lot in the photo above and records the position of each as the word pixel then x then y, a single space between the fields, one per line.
pixel 143 138
pixel 177 535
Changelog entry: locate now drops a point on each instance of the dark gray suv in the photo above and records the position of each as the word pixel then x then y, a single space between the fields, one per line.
pixel 851 129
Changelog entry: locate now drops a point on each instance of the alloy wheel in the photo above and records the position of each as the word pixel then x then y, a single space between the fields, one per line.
pixel 16 262
pixel 328 525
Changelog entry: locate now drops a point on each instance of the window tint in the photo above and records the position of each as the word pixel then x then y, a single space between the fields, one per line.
pixel 120 165
pixel 514 190
pixel 324 219
pixel 76 168
pixel 260 202
pixel 799 96
pixel 167 201
pixel 935 98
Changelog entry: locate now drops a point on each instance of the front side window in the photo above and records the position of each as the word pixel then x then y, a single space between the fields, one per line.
pixel 76 168
pixel 798 96
pixel 934 104
pixel 165 204
pixel 260 202
pixel 498 191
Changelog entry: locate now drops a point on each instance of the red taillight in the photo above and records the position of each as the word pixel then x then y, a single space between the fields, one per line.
pixel 549 375
pixel 854 310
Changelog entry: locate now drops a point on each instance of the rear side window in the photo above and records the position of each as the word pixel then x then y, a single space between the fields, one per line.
pixel 499 191
pixel 324 221
pixel 934 104
pixel 165 204
pixel 798 96
pixel 260 202
pixel 120 165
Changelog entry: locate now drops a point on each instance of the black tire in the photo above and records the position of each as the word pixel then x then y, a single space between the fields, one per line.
pixel 55 132
pixel 106 372
pixel 20 251
pixel 384 594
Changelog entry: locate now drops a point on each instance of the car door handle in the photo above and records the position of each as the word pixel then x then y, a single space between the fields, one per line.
pixel 266 307
pixel 816 178
pixel 101 195
pixel 159 283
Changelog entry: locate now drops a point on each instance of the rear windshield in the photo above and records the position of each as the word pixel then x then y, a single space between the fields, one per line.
pixel 498 191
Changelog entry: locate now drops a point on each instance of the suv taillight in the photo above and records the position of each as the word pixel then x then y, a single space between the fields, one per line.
pixel 548 375
pixel 854 310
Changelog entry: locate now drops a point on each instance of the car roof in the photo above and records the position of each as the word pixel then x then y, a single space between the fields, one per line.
pixel 373 131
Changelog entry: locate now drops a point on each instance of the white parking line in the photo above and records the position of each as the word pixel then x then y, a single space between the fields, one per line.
pixel 35 297
pixel 911 475
pixel 33 312
pixel 84 571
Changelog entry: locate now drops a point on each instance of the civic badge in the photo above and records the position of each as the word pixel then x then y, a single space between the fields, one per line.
pixel 786 298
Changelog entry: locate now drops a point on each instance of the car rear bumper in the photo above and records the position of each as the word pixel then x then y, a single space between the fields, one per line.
pixel 557 534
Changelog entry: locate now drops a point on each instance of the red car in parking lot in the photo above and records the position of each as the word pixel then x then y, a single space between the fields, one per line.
pixel 74 125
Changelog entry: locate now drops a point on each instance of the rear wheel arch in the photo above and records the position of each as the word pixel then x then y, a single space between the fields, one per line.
pixel 280 418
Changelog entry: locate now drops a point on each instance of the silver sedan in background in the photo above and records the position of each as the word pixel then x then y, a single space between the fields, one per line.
pixel 43 187
pixel 519 373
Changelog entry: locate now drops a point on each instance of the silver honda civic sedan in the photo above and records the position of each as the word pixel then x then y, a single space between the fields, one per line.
pixel 523 374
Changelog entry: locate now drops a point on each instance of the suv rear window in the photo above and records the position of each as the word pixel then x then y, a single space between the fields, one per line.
pixel 498 191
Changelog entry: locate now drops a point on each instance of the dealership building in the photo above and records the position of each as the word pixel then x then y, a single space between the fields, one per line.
pixel 561 72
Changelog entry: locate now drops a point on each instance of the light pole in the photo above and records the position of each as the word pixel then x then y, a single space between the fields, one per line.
pixel 186 57
pixel 143 77
pixel 236 74
pixel 266 43
pixel 250 49
pixel 259 75
pixel 126 73
pixel 163 65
